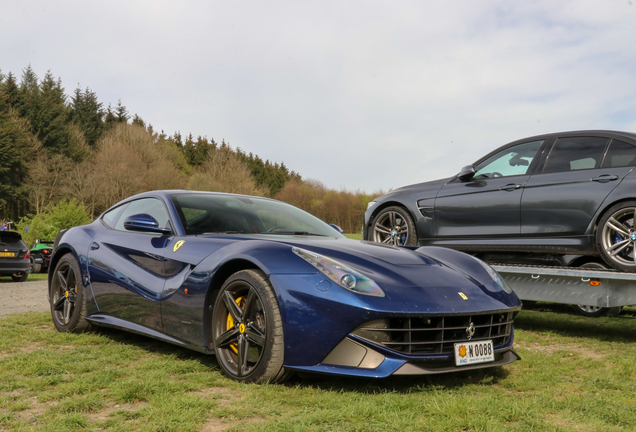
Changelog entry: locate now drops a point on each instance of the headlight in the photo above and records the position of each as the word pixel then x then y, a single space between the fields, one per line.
pixel 340 274
pixel 371 204
pixel 495 276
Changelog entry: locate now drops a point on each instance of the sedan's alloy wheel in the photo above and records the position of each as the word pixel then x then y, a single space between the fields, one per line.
pixel 617 240
pixel 394 226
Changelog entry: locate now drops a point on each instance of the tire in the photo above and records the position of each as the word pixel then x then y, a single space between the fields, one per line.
pixel 36 268
pixel 616 236
pixel 394 225
pixel 20 277
pixel 595 311
pixel 247 329
pixel 68 302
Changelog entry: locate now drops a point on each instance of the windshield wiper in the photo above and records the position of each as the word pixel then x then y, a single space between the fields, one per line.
pixel 221 232
pixel 294 233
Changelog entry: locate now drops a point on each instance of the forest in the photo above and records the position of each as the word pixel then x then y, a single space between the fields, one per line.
pixel 57 148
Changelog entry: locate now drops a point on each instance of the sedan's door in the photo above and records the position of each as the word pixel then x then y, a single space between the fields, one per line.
pixel 127 268
pixel 571 183
pixel 488 204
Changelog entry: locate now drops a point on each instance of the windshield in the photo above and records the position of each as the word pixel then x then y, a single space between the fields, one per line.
pixel 208 213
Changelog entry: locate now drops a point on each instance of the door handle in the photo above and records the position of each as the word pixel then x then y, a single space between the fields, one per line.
pixel 605 178
pixel 510 187
pixel 94 246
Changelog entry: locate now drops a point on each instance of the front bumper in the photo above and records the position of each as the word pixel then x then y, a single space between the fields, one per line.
pixel 352 358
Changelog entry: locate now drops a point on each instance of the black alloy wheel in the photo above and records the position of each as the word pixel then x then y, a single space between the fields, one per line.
pixel 68 304
pixel 247 329
pixel 393 226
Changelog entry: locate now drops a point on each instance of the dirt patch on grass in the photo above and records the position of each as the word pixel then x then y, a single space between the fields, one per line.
pixel 224 397
pixel 549 349
pixel 108 410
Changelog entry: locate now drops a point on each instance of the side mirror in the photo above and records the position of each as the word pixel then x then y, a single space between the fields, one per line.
pixel 466 173
pixel 145 223
pixel 337 228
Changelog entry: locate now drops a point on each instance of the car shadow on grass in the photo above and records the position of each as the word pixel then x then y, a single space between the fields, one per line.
pixel 156 346
pixel 562 320
pixel 401 384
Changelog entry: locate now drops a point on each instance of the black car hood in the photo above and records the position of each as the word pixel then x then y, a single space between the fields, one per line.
pixel 427 189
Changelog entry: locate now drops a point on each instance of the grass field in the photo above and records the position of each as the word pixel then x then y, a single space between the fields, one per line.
pixel 576 374
pixel 32 277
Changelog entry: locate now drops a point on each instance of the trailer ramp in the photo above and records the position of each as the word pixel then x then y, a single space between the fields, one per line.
pixel 597 287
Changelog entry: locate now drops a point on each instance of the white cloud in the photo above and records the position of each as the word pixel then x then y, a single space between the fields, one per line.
pixel 363 95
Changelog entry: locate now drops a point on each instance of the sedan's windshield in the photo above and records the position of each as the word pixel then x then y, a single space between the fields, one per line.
pixel 208 213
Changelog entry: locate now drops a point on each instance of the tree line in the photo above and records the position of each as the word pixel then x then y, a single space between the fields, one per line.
pixel 56 148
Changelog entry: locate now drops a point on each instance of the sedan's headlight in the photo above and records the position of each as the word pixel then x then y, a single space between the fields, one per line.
pixel 340 274
pixel 495 276
pixel 371 204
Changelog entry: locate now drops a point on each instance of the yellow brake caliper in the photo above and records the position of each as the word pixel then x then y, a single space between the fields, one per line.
pixel 230 322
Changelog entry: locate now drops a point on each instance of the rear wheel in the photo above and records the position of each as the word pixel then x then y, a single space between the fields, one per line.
pixel 35 267
pixel 20 277
pixel 394 225
pixel 595 311
pixel 616 236
pixel 247 329
pixel 68 302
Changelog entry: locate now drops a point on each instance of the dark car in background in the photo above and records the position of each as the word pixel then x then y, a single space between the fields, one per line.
pixel 559 193
pixel 41 256
pixel 15 258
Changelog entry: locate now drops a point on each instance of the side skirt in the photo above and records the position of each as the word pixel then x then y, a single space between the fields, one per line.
pixel 120 324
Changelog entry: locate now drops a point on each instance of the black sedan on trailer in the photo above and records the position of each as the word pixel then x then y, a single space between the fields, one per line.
pixel 560 193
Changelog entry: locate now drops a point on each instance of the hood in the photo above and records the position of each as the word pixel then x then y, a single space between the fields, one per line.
pixel 424 190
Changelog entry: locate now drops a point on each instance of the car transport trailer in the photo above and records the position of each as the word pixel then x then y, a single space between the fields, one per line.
pixel 590 289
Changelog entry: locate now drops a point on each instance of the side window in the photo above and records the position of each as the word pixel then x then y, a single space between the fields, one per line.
pixel 110 217
pixel 509 162
pixel 576 153
pixel 151 206
pixel 620 154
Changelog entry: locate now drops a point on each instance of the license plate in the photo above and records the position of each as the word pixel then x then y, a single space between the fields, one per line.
pixel 467 353
pixel 7 254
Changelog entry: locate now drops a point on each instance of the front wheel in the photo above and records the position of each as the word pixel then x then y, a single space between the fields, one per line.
pixel 616 236
pixel 248 330
pixel 68 302
pixel 394 225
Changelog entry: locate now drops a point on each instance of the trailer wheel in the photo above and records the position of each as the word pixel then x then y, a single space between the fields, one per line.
pixel 596 311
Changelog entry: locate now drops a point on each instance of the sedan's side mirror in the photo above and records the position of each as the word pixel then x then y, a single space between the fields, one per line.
pixel 145 223
pixel 466 173
pixel 337 228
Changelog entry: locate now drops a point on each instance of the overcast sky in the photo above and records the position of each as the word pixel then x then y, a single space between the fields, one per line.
pixel 362 95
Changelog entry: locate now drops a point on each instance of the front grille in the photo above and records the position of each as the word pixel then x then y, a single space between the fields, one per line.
pixel 437 334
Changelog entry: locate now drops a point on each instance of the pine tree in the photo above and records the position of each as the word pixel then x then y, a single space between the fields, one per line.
pixel 9 88
pixel 88 114
pixel 49 124
pixel 121 113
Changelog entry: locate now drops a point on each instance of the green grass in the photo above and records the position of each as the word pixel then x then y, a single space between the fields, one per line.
pixel 32 277
pixel 357 236
pixel 576 374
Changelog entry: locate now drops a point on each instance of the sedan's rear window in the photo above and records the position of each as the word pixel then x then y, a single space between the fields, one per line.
pixel 11 239
pixel 620 154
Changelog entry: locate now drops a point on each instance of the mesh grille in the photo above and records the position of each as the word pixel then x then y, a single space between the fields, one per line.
pixel 437 334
